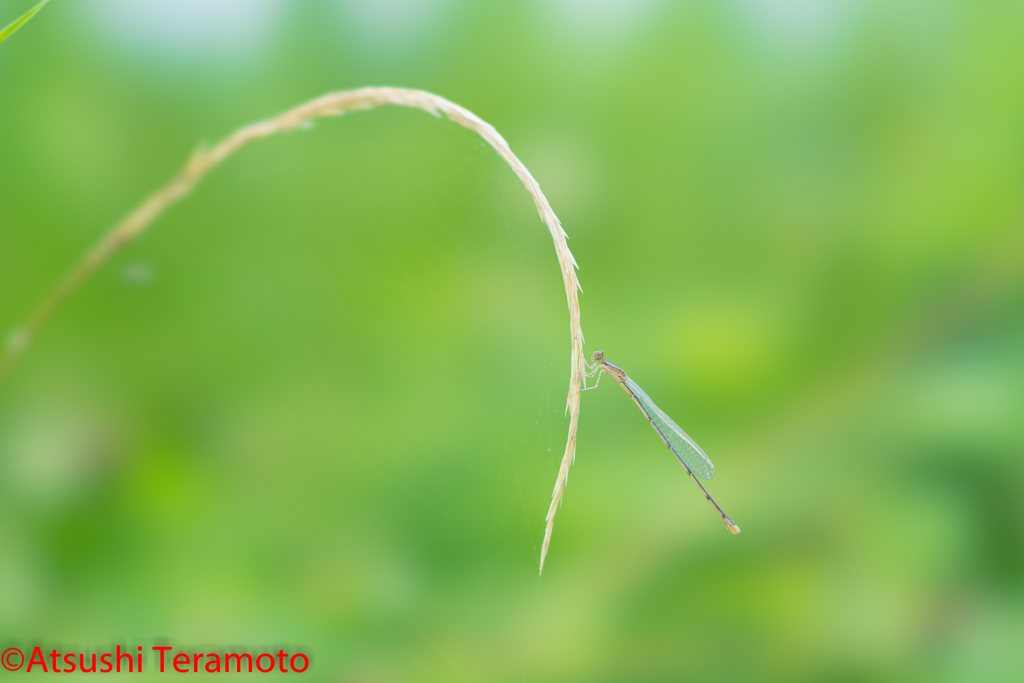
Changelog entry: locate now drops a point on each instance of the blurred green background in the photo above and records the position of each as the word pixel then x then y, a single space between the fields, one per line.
pixel 321 403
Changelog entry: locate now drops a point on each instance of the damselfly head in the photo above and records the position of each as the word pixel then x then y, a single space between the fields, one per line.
pixel 598 355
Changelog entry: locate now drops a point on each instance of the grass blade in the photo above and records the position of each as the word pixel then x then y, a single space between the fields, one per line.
pixel 6 32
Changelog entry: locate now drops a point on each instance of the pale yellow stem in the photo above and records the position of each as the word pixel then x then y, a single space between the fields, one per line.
pixel 333 104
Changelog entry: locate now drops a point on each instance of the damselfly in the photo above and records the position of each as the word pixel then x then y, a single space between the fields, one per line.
pixel 690 456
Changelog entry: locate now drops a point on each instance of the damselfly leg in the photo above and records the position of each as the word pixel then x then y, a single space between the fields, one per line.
pixel 593 369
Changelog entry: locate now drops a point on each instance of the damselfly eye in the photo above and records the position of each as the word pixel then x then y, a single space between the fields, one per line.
pixel 598 355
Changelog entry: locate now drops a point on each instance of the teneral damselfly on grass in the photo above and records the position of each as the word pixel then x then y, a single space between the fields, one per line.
pixel 690 455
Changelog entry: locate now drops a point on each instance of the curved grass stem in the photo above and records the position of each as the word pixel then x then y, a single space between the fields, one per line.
pixel 333 104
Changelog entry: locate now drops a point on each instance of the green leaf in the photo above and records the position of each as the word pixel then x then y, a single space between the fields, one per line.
pixel 6 32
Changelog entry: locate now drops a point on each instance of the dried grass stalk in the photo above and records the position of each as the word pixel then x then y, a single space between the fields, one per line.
pixel 333 104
